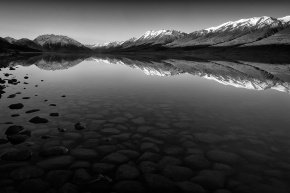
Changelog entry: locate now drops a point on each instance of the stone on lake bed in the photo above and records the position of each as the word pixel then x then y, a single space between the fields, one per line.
pixel 38 120
pixel 110 131
pixel 54 114
pixel 130 153
pixel 103 168
pixel 157 183
pixel 210 138
pixel 222 157
pixel 148 167
pixel 17 138
pixel 56 162
pixel 14 129
pixel 189 187
pixel 53 151
pixel 80 164
pixel 196 162
pixel 79 126
pixel 26 173
pixel 82 153
pixel 32 111
pixel 149 156
pixel 177 173
pixel 128 186
pixel 127 172
pixel 149 147
pixel 16 106
pixel 116 158
pixel 20 155
pixel 33 186
pixel 169 161
pixel 81 176
pixel 210 179
pixel 58 177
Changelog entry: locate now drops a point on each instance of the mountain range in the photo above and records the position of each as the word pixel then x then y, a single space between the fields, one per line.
pixel 251 32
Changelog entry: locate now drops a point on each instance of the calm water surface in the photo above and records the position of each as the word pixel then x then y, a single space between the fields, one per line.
pixel 144 131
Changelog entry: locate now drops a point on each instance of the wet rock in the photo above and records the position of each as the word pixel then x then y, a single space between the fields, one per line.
pixel 116 158
pixel 110 131
pixel 52 105
pixel 84 154
pixel 3 141
pixel 149 147
pixel 12 166
pixel 72 136
pixel 127 172
pixel 91 143
pixel 103 168
pixel 54 114
pixel 181 125
pixel 56 163
pixel 224 168
pixel 25 77
pixel 57 178
pixel 32 111
pixel 169 161
pixel 196 162
pixel 79 126
pixel 157 183
pixel 106 149
pixel 68 188
pixel 63 96
pixel 62 130
pixel 256 157
pixel 11 96
pixel 38 120
pixel 16 106
pixel 149 156
pixel 25 97
pixel 53 151
pixel 210 138
pixel 222 157
pixel 130 153
pixel 147 167
pixel 177 173
pixel 144 129
pixel 210 179
pixel 139 121
pixel 173 151
pixel 33 186
pixel 80 164
pixel 26 173
pixel 11 68
pixel 17 138
pixel 14 129
pixel 20 155
pixel 189 187
pixel 81 176
pixel 128 186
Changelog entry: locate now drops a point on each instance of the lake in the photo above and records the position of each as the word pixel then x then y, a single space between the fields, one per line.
pixel 143 124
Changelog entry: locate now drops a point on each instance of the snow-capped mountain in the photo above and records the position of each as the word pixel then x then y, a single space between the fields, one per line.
pixel 285 20
pixel 10 40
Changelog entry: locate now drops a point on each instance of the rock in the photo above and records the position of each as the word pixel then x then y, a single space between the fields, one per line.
pixel 17 138
pixel 110 131
pixel 149 156
pixel 91 143
pixel 25 97
pixel 20 155
pixel 69 143
pixel 14 129
pixel 52 105
pixel 123 136
pixel 84 154
pixel 173 151
pixel 79 126
pixel 148 167
pixel 11 96
pixel 3 141
pixel 103 168
pixel 81 176
pixel 127 172
pixel 54 114
pixel 15 115
pixel 56 163
pixel 210 138
pixel 210 179
pixel 57 178
pixel 157 183
pixel 144 129
pixel 128 187
pixel 196 162
pixel 139 121
pixel 116 158
pixel 224 168
pixel 12 166
pixel 106 149
pixel 169 161
pixel 68 188
pixel 72 136
pixel 26 173
pixel 38 120
pixel 80 164
pixel 33 186
pixel 189 187
pixel 222 191
pixel 256 157
pixel 222 157
pixel 16 106
pixel 62 130
pixel 32 111
pixel 149 147
pixel 177 173
pixel 53 151
pixel 182 125
pixel 130 153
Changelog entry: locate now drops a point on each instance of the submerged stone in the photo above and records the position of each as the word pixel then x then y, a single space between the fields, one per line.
pixel 38 120
pixel 19 155
pixel 14 129
pixel 53 151
pixel 32 111
pixel 16 106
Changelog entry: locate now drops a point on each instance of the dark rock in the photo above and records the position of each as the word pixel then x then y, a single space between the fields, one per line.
pixel 25 77
pixel 127 172
pixel 156 183
pixel 130 153
pixel 222 157
pixel 169 161
pixel 25 97
pixel 68 188
pixel 56 163
pixel 46 136
pixel 15 115
pixel 20 155
pixel 11 68
pixel 32 111
pixel 26 173
pixel 52 105
pixel 103 168
pixel 12 96
pixel 116 158
pixel 210 179
pixel 57 178
pixel 63 96
pixel 80 164
pixel 38 120
pixel 83 154
pixel 81 176
pixel 149 156
pixel 53 151
pixel 33 186
pixel 14 129
pixel 25 83
pixel 189 187
pixel 62 130
pixel 17 138
pixel 148 167
pixel 16 106
pixel 3 141
pixel 26 132
pixel 79 126
pixel 177 173
pixel 128 187
pixel 196 162
pixel 54 114
pixel 256 157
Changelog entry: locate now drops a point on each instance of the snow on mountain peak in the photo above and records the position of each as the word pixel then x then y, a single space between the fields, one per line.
pixel 285 19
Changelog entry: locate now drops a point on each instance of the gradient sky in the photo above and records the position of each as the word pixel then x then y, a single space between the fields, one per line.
pixel 94 21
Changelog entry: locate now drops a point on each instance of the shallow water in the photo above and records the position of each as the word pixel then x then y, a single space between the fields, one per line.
pixel 190 126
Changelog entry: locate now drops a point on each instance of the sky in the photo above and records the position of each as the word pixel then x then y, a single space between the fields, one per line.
pixel 95 21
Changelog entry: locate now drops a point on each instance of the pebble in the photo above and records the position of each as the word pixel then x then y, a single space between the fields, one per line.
pixel 53 151
pixel 56 162
pixel 33 186
pixel 149 156
pixel 20 155
pixel 210 138
pixel 130 153
pixel 157 183
pixel 83 154
pixel 116 158
pixel 189 187
pixel 222 157
pixel 54 114
pixel 197 162
pixel 17 138
pixel 57 178
pixel 80 164
pixel 177 173
pixel 210 179
pixel 81 176
pixel 103 168
pixel 148 167
pixel 32 111
pixel 127 172
pixel 169 161
pixel 106 149
pixel 38 120
pixel 16 106
pixel 110 131
pixel 79 126
pixel 68 188
pixel 14 129
pixel 149 147
pixel 128 186
pixel 26 173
